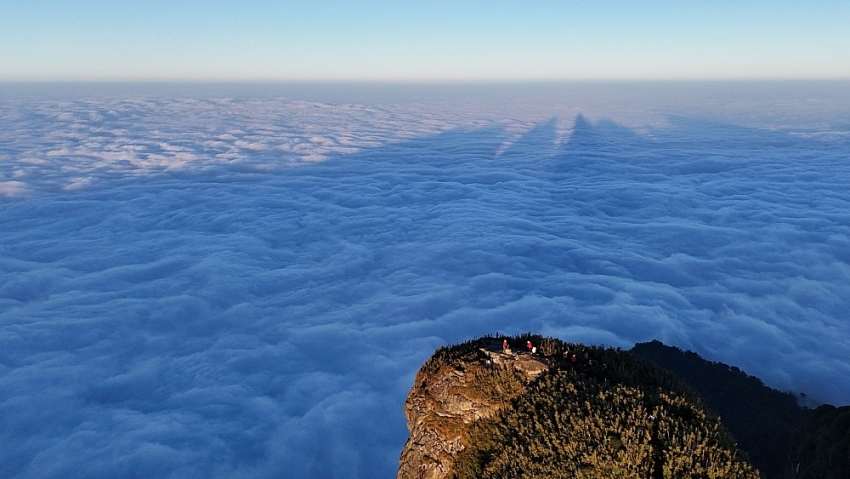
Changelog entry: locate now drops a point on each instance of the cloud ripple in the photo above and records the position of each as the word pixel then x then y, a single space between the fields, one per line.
pixel 171 308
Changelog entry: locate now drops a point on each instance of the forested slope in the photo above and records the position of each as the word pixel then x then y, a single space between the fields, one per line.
pixel 587 412
pixel 762 419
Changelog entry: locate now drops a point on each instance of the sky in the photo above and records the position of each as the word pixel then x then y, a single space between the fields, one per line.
pixel 242 281
pixel 387 40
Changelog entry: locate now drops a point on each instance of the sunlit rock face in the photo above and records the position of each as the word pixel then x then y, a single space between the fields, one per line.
pixel 447 398
pixel 229 282
pixel 559 409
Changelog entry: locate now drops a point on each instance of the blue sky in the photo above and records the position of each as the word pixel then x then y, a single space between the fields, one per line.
pixel 422 41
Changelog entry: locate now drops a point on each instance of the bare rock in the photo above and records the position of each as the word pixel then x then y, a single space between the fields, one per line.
pixel 443 403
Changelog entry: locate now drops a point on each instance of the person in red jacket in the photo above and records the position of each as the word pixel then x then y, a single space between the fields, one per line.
pixel 529 346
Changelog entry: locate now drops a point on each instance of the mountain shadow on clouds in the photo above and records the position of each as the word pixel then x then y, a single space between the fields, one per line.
pixel 280 311
pixel 596 147
pixel 535 146
pixel 683 146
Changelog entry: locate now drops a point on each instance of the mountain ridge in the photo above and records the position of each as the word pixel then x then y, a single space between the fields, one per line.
pixel 495 407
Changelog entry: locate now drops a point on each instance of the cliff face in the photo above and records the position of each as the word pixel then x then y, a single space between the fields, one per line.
pixel 574 411
pixel 567 411
pixel 448 396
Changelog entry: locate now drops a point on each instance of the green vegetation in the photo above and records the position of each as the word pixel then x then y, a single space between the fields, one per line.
pixel 458 357
pixel 762 419
pixel 606 413
pixel 821 446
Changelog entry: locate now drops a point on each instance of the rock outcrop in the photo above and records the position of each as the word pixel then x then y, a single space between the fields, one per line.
pixel 448 397
pixel 569 410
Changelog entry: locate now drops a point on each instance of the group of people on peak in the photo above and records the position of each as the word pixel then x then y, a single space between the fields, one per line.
pixel 576 358
pixel 531 347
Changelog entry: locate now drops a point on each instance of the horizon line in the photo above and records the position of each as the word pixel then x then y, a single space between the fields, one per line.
pixel 480 81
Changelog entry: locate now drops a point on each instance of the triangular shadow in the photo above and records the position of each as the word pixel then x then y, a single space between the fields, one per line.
pixel 536 144
pixel 597 145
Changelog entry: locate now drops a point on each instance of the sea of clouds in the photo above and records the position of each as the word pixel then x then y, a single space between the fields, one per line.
pixel 244 285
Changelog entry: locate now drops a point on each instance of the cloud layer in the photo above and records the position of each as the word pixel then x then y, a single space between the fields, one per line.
pixel 187 292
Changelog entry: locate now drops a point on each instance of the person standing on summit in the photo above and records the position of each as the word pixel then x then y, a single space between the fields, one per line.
pixel 529 346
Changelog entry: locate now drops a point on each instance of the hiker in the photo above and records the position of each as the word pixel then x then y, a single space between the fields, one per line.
pixel 529 346
pixel 573 359
pixel 504 346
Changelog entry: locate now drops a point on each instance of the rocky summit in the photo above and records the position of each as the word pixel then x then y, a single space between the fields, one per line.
pixel 455 388
pixel 529 406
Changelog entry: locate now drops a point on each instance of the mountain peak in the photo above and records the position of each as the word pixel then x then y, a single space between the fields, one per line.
pixel 541 407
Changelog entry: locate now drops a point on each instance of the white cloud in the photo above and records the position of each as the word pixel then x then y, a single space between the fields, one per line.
pixel 13 188
pixel 236 316
pixel 78 183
